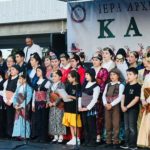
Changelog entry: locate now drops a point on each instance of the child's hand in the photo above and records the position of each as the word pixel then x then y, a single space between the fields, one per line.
pixel 50 104
pixel 71 97
pixel 17 107
pixel 54 104
pixel 47 105
pixel 83 109
pixel 124 109
pixel 108 106
pixel 33 108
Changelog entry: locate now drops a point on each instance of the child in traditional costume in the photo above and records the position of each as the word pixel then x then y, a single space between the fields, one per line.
pixel 144 131
pixel 10 87
pixel 39 106
pixel 56 109
pixel 90 94
pixel 21 102
pixel 111 100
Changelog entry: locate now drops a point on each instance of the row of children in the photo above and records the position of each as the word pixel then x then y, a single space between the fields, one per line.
pixel 97 92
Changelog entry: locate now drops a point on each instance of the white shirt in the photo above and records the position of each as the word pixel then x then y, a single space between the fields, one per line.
pixel 108 65
pixel 118 99
pixel 67 66
pixel 123 68
pixel 30 50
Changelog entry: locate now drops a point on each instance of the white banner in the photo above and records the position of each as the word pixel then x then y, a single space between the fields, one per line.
pixel 108 23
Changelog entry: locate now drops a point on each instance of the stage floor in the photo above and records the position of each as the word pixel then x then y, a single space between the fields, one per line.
pixel 10 145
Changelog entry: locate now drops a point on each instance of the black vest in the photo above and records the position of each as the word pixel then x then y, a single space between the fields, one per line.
pixel 12 84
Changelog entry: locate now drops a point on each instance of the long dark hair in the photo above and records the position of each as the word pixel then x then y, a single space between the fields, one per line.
pixel 77 58
pixel 74 74
pixel 110 52
pixel 36 57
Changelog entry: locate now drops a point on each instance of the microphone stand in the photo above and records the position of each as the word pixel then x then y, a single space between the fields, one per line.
pixel 76 147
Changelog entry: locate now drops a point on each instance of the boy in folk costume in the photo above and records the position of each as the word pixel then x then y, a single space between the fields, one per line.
pixel 10 87
pixel 21 102
pixel 111 100
pixel 144 131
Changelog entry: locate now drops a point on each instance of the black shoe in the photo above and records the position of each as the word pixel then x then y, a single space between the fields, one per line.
pixel 43 141
pixel 92 144
pixel 108 146
pixel 115 146
pixel 84 144
pixel 124 146
pixel 37 140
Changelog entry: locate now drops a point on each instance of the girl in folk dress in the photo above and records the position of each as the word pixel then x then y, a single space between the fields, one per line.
pixel 39 105
pixel 21 102
pixel 56 109
pixel 144 131
pixel 101 75
pixel 90 94
pixel 10 87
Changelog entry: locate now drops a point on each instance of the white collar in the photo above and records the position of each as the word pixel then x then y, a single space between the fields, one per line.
pixel 67 66
pixel 14 77
pixel 113 83
pixel 40 81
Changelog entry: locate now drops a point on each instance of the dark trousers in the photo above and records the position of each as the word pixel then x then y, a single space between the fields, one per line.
pixel 41 123
pixel 130 123
pixel 10 115
pixel 112 124
pixel 89 127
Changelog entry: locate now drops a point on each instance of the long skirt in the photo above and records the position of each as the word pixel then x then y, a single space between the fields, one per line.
pixel 21 128
pixel 55 122
pixel 144 131
pixel 100 116
pixel 10 115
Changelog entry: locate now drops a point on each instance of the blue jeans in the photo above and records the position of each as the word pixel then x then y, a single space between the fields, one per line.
pixel 130 123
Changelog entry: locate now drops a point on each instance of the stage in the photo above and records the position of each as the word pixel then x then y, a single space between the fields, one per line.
pixel 10 145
